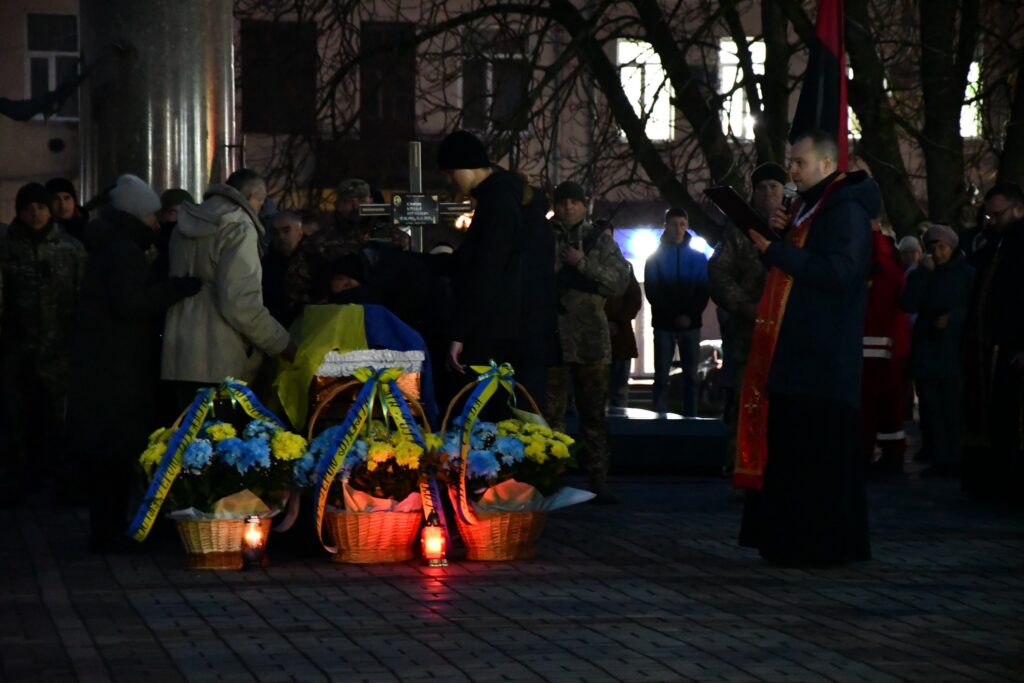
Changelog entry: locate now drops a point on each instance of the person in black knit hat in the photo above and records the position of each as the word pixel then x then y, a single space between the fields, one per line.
pixel 42 271
pixel 503 280
pixel 65 207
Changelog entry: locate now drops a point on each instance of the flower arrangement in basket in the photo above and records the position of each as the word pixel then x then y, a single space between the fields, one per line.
pixel 215 473
pixel 368 473
pixel 504 476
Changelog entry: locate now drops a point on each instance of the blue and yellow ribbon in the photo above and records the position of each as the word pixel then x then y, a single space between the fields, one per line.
pixel 375 382
pixel 191 424
pixel 489 379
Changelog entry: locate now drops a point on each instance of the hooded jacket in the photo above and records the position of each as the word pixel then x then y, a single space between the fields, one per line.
pixel 819 352
pixel 219 332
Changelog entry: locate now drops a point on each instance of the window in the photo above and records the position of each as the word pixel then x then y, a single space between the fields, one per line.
pixel 647 86
pixel 53 57
pixel 737 119
pixel 387 80
pixel 970 113
pixel 279 63
pixel 495 81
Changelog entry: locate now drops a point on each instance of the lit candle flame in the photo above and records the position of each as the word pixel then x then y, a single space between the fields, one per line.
pixel 463 220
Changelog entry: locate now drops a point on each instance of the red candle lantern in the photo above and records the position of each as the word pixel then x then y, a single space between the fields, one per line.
pixel 433 542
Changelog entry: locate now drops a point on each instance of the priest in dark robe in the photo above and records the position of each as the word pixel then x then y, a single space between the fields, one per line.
pixel 799 451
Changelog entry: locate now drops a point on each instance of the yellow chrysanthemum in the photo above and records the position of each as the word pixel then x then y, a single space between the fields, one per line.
pixel 434 441
pixel 152 456
pixel 559 450
pixel 287 446
pixel 219 432
pixel 162 435
pixel 536 451
pixel 407 454
pixel 564 438
pixel 534 428
pixel 379 453
pixel 507 427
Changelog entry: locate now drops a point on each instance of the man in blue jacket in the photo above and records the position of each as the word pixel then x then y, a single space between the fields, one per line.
pixel 801 393
pixel 676 284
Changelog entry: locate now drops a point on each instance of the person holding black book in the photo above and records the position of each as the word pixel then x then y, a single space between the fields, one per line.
pixel 799 437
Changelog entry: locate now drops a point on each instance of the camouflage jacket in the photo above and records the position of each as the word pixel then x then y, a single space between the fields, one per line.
pixel 42 274
pixel 309 267
pixel 582 291
pixel 736 279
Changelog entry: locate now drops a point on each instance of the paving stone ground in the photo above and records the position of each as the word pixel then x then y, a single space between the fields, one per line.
pixel 653 590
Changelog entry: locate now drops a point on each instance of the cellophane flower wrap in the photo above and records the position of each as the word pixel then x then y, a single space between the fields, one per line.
pixel 226 458
pixel 529 452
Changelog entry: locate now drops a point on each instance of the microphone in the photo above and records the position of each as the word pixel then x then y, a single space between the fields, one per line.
pixel 788 195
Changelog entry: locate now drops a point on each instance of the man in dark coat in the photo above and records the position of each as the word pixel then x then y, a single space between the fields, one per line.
pixel 493 301
pixel 66 209
pixel 285 237
pixel 939 293
pixel 799 426
pixel 994 457
pixel 116 358
pixel 676 284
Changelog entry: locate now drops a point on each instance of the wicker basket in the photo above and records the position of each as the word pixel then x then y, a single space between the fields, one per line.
pixel 372 537
pixel 502 536
pixel 494 535
pixel 215 543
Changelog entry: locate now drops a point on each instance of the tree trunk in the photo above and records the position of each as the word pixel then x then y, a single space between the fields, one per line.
pixel 943 81
pixel 1011 161
pixel 606 75
pixel 775 27
pixel 705 121
pixel 879 145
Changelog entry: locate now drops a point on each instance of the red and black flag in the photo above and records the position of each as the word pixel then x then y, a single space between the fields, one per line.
pixel 822 104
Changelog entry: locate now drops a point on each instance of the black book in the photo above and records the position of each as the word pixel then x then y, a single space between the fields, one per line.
pixel 739 212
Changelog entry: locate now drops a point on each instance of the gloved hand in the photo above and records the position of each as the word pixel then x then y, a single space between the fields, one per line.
pixel 186 286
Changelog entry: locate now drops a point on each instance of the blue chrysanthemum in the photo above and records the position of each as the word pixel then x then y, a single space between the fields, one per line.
pixel 255 455
pixel 260 429
pixel 509 449
pixel 355 457
pixel 230 451
pixel 303 470
pixel 483 435
pixel 482 465
pixel 197 456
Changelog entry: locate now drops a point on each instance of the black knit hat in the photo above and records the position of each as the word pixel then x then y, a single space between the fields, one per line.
pixel 175 197
pixel 570 190
pixel 55 185
pixel 462 149
pixel 33 193
pixel 769 171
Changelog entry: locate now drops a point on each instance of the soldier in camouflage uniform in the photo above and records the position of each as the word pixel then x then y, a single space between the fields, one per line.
pixel 589 269
pixel 308 270
pixel 42 270
pixel 736 279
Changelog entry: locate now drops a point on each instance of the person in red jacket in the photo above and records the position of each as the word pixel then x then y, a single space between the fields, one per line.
pixel 886 347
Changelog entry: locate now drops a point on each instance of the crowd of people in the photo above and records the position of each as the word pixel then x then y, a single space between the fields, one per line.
pixel 110 325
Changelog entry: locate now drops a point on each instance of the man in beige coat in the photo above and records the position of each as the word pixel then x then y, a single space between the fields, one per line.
pixel 225 329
